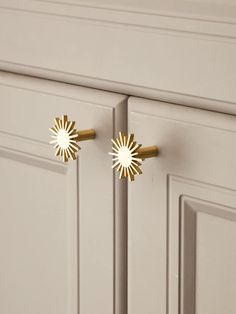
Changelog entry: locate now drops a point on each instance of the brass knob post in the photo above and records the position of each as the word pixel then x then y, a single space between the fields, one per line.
pixel 86 135
pixel 147 152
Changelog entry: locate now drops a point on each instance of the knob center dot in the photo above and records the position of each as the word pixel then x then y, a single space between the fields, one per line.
pixel 63 139
pixel 125 156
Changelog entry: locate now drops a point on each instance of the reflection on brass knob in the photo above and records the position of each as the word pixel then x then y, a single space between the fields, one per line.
pixel 128 155
pixel 65 138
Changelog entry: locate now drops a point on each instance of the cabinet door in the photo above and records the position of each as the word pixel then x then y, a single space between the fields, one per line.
pixel 60 224
pixel 182 212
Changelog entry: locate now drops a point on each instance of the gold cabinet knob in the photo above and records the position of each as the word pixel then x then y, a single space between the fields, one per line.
pixel 65 138
pixel 128 155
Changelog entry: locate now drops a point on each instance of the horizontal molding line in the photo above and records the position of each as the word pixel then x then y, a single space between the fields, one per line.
pixel 211 104
pixel 134 11
pixel 28 147
pixel 41 91
pixel 173 178
pixel 140 21
pixel 28 140
pixel 189 123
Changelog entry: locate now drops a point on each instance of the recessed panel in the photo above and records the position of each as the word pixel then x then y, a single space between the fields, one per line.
pixel 73 213
pixel 34 255
pixel 202 253
pixel 208 256
pixel 182 212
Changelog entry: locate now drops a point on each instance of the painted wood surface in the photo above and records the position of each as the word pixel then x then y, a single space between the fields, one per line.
pixel 184 54
pixel 61 225
pixel 181 217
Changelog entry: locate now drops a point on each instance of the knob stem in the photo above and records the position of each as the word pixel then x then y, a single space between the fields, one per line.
pixel 147 152
pixel 86 135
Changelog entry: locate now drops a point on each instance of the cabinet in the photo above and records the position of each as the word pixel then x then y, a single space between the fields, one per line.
pixel 60 232
pixel 182 212
pixel 63 227
pixel 74 239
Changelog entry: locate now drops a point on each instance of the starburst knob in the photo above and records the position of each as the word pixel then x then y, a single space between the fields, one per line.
pixel 128 155
pixel 65 138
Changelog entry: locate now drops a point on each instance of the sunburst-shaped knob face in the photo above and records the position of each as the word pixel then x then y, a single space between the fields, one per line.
pixel 65 138
pixel 125 156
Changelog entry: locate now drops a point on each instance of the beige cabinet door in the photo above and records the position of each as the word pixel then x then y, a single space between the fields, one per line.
pixel 60 224
pixel 182 212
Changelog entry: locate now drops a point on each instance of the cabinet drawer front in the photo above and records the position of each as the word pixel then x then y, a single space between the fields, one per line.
pixel 182 212
pixel 58 222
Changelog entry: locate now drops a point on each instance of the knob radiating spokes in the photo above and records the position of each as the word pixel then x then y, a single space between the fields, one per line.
pixel 128 155
pixel 65 138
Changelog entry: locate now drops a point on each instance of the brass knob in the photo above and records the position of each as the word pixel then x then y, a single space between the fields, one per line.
pixel 65 138
pixel 128 155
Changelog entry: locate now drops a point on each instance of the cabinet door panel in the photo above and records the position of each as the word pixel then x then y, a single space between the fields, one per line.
pixel 60 224
pixel 202 229
pixel 182 212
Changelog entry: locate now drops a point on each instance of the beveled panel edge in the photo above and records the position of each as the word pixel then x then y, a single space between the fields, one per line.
pixel 189 115
pixel 60 88
pixel 190 192
pixel 216 105
pixel 34 153
pixel 189 209
pixel 30 148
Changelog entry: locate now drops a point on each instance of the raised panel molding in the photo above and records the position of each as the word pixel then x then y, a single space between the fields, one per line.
pixel 191 199
pixel 207 255
pixel 178 58
pixel 202 234
pixel 52 231
pixel 219 11
pixel 30 104
pixel 29 148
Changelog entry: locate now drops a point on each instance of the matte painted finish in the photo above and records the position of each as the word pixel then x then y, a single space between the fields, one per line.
pixel 221 9
pixel 182 212
pixel 182 54
pixel 61 229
